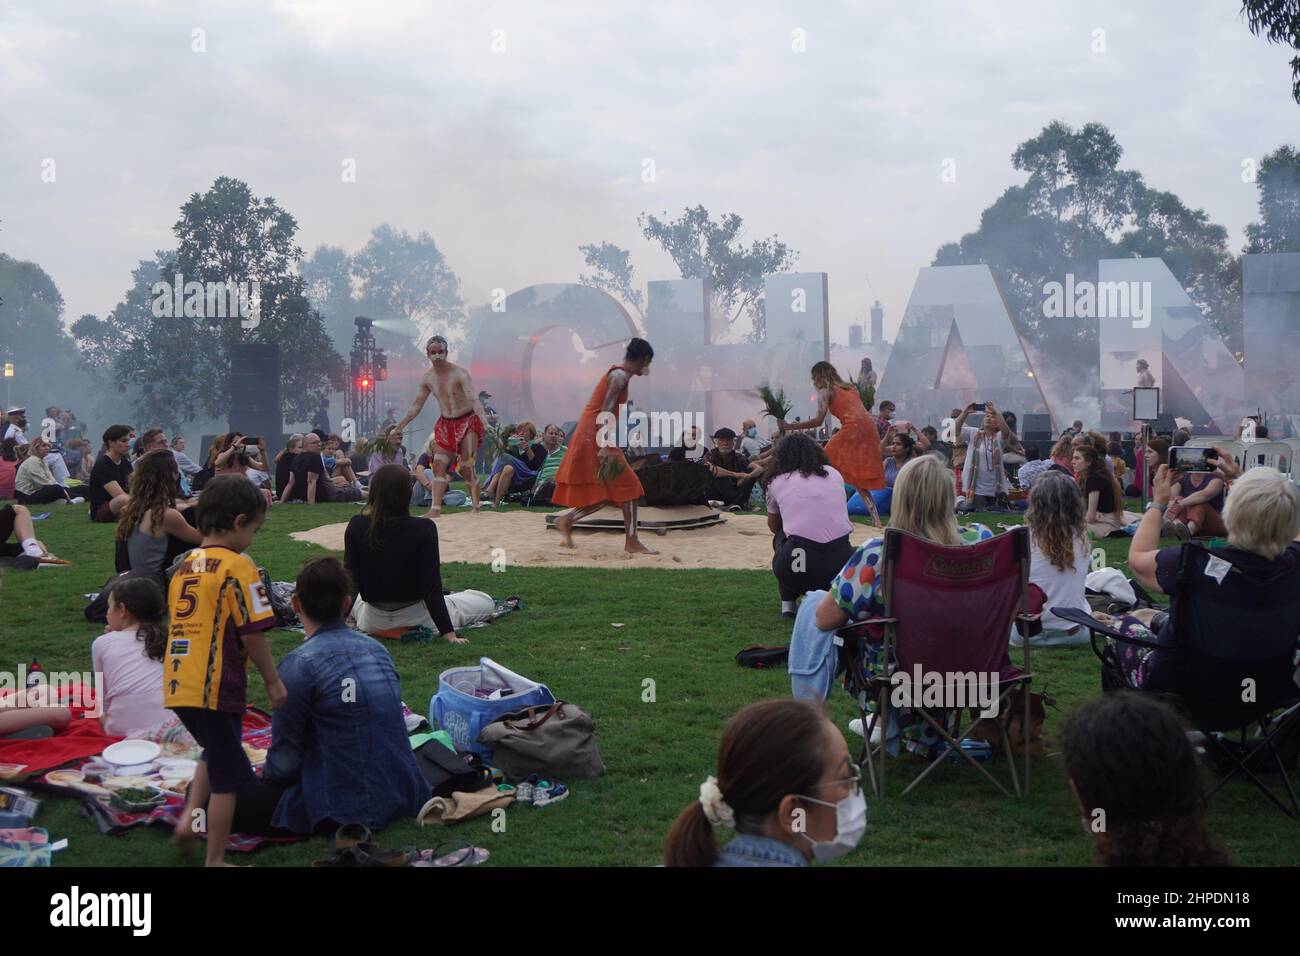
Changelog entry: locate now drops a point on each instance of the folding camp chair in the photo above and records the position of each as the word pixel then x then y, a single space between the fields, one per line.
pixel 1235 635
pixel 949 613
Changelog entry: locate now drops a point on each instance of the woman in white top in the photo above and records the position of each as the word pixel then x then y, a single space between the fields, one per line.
pixel 129 655
pixel 34 483
pixel 1059 556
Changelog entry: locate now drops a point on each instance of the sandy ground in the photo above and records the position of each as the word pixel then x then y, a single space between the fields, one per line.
pixel 741 541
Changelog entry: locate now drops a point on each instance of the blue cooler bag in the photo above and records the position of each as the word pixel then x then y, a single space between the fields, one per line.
pixel 470 698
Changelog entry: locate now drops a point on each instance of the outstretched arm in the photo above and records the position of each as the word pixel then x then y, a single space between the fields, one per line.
pixel 417 406
pixel 823 407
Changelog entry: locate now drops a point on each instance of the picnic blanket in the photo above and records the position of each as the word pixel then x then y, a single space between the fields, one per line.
pixel 83 737
pixel 257 737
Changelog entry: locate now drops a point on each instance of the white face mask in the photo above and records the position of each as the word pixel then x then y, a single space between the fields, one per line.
pixel 850 824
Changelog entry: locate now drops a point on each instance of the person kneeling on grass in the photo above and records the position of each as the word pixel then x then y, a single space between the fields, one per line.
pixel 785 784
pixel 219 610
pixel 1136 778
pixel 339 750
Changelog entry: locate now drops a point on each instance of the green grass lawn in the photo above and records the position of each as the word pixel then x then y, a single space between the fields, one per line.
pixel 681 629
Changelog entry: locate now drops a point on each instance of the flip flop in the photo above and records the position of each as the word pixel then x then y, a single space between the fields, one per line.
pixel 460 854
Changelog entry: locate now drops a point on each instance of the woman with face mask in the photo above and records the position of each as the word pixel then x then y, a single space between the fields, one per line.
pixel 785 784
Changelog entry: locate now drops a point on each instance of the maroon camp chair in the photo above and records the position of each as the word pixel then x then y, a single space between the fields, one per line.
pixel 949 612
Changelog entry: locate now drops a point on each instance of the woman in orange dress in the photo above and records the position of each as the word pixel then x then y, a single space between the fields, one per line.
pixel 854 451
pixel 594 441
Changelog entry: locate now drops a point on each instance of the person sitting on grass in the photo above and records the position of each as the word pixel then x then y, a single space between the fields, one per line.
pixel 902 449
pixel 1196 506
pixel 340 468
pixel 230 455
pixel 336 757
pixel 150 532
pixel 219 611
pixel 284 465
pixel 517 467
pixel 1101 491
pixel 1137 782
pixel 34 484
pixel 787 787
pixel 393 562
pixel 733 474
pixel 111 475
pixel 1263 521
pixel 1060 554
pixel 808 517
pixel 129 655
pixel 544 483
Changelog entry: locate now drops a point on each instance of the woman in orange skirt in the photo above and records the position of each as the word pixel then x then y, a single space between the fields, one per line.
pixel 578 483
pixel 854 451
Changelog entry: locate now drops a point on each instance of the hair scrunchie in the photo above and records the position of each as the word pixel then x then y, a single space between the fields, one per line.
pixel 716 810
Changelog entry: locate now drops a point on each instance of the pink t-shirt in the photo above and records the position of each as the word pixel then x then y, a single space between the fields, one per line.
pixel 133 685
pixel 810 507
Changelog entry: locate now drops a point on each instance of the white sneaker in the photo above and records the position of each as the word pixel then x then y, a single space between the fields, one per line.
pixel 78 501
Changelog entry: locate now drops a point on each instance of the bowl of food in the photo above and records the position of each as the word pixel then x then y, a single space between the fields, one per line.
pixel 97 769
pixel 137 799
pixel 65 778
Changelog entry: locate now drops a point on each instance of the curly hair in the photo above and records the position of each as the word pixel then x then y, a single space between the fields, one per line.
pixel 154 483
pixel 1138 783
pixel 796 451
pixel 1055 517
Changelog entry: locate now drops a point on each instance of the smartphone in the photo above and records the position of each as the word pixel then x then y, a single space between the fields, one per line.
pixel 1185 458
pixel 978 407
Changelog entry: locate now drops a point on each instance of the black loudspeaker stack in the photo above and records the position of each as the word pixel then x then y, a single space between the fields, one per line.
pixel 255 392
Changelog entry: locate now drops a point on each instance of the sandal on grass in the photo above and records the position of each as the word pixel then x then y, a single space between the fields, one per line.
pixel 457 854
pixel 351 834
pixel 365 855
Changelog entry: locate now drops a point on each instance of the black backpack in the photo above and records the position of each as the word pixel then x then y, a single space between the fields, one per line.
pixel 759 656
pixel 447 772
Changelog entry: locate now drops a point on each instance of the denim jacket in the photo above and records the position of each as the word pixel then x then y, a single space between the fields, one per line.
pixel 340 741
pixel 748 849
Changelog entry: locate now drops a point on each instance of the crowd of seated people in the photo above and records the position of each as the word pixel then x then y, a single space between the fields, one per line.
pixel 768 766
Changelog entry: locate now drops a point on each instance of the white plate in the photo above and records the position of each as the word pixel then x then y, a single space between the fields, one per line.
pixel 126 753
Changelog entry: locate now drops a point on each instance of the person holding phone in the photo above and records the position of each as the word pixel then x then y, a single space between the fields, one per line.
pixel 1196 505
pixel 984 481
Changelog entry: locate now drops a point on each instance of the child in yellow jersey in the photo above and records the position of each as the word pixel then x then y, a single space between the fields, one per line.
pixel 218 608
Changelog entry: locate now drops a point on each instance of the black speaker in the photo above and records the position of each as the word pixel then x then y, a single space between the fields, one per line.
pixel 255 390
pixel 1036 427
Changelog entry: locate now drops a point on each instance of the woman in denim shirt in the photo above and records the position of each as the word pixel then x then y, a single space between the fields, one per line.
pixel 339 749
pixel 785 784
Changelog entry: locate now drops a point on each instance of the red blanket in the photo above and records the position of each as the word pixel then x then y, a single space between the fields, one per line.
pixel 84 737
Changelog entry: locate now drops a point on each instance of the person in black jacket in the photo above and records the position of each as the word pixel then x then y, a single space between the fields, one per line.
pixel 393 560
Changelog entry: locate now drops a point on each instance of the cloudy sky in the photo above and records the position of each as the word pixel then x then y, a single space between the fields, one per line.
pixel 513 132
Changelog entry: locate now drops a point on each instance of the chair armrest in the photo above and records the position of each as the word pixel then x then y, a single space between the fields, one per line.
pixel 1096 627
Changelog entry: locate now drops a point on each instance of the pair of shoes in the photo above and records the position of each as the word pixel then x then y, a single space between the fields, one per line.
pixel 1175 529
pixel 548 792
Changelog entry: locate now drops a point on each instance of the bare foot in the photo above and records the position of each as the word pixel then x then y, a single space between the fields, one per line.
pixel 432 514
pixel 183 839
pixel 564 525
pixel 455 639
pixel 634 546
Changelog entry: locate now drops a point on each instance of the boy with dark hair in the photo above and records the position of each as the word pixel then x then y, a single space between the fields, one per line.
pixel 110 477
pixel 218 608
